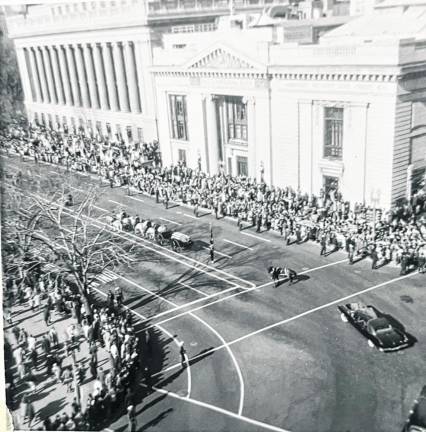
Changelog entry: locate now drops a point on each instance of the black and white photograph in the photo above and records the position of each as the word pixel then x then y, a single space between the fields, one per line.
pixel 213 215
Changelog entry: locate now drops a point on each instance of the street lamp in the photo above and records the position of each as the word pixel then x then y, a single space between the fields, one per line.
pixel 375 200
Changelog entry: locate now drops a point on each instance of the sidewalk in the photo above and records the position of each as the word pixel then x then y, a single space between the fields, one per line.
pixel 49 398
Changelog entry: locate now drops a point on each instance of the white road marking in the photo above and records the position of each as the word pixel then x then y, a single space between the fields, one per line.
pixel 256 237
pixel 230 296
pixel 53 172
pixel 219 336
pixel 101 208
pixel 179 212
pixel 188 368
pixel 170 221
pixel 135 199
pixel 217 252
pixel 221 411
pixel 293 318
pixel 80 190
pixel 118 203
pixel 190 216
pixel 238 244
pixel 193 289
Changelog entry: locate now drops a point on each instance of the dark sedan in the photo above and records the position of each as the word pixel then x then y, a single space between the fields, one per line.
pixel 375 326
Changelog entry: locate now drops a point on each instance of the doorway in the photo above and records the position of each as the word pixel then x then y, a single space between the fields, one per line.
pixel 331 186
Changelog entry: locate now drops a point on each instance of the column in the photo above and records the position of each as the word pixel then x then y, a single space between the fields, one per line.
pixel 34 70
pixel 57 76
pixel 131 77
pixel 251 135
pixel 73 76
pixel 82 77
pixel 121 77
pixel 65 76
pixel 49 76
pixel 90 76
pixel 42 75
pixel 109 72
pixel 212 133
pixel 24 70
pixel 102 89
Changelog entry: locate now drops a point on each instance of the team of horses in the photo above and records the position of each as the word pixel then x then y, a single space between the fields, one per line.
pixel 143 227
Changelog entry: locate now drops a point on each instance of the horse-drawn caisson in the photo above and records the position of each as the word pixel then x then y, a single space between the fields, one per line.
pixel 149 230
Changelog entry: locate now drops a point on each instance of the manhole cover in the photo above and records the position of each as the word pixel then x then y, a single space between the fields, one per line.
pixel 182 393
pixel 406 298
pixel 193 344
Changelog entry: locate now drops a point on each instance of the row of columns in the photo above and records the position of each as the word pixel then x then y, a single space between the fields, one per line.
pixel 95 76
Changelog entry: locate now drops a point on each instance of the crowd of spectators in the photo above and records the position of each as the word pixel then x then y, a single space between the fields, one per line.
pixel 36 362
pixel 398 234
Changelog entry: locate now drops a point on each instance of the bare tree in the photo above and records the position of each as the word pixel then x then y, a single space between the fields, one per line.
pixel 81 246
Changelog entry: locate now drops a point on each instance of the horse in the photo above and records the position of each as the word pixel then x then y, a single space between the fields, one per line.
pixel 142 227
pixel 151 233
pixel 116 225
pixel 127 223
pixel 288 273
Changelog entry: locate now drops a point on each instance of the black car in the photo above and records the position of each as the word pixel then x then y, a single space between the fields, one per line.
pixel 416 421
pixel 375 326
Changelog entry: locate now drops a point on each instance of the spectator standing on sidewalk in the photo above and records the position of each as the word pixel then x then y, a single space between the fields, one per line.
pixel 131 418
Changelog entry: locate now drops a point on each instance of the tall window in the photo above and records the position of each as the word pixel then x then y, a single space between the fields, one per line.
pixel 140 135
pixel 237 118
pixel 99 128
pixel 182 155
pixel 178 117
pixel 333 132
pixel 242 166
pixel 129 133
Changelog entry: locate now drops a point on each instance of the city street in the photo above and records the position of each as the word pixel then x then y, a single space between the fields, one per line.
pixel 260 357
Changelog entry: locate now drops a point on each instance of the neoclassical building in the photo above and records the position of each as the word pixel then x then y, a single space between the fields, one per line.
pixel 338 102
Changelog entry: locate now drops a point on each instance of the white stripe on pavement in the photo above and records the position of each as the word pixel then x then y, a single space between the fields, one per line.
pixel 238 244
pixel 190 216
pixel 217 252
pixel 193 289
pixel 118 203
pixel 293 318
pixel 170 221
pixel 175 340
pixel 135 199
pixel 256 237
pixel 221 410
pixel 101 208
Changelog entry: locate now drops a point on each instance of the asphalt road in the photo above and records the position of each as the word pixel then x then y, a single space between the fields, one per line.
pixel 261 358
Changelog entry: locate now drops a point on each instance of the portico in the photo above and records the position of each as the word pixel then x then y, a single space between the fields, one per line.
pixel 222 91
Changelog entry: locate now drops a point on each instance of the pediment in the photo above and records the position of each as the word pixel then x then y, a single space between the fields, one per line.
pixel 222 57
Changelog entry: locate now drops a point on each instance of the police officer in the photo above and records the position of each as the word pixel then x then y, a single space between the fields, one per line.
pixel 211 251
pixel 374 258
pixel 240 222
pixel 259 222
pixel 404 260
pixel 351 250
pixel 182 352
pixel 323 243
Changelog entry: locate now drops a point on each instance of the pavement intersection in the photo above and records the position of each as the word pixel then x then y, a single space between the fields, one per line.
pixel 280 357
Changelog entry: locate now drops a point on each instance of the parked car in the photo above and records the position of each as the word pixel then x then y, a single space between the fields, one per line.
pixel 375 326
pixel 416 421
